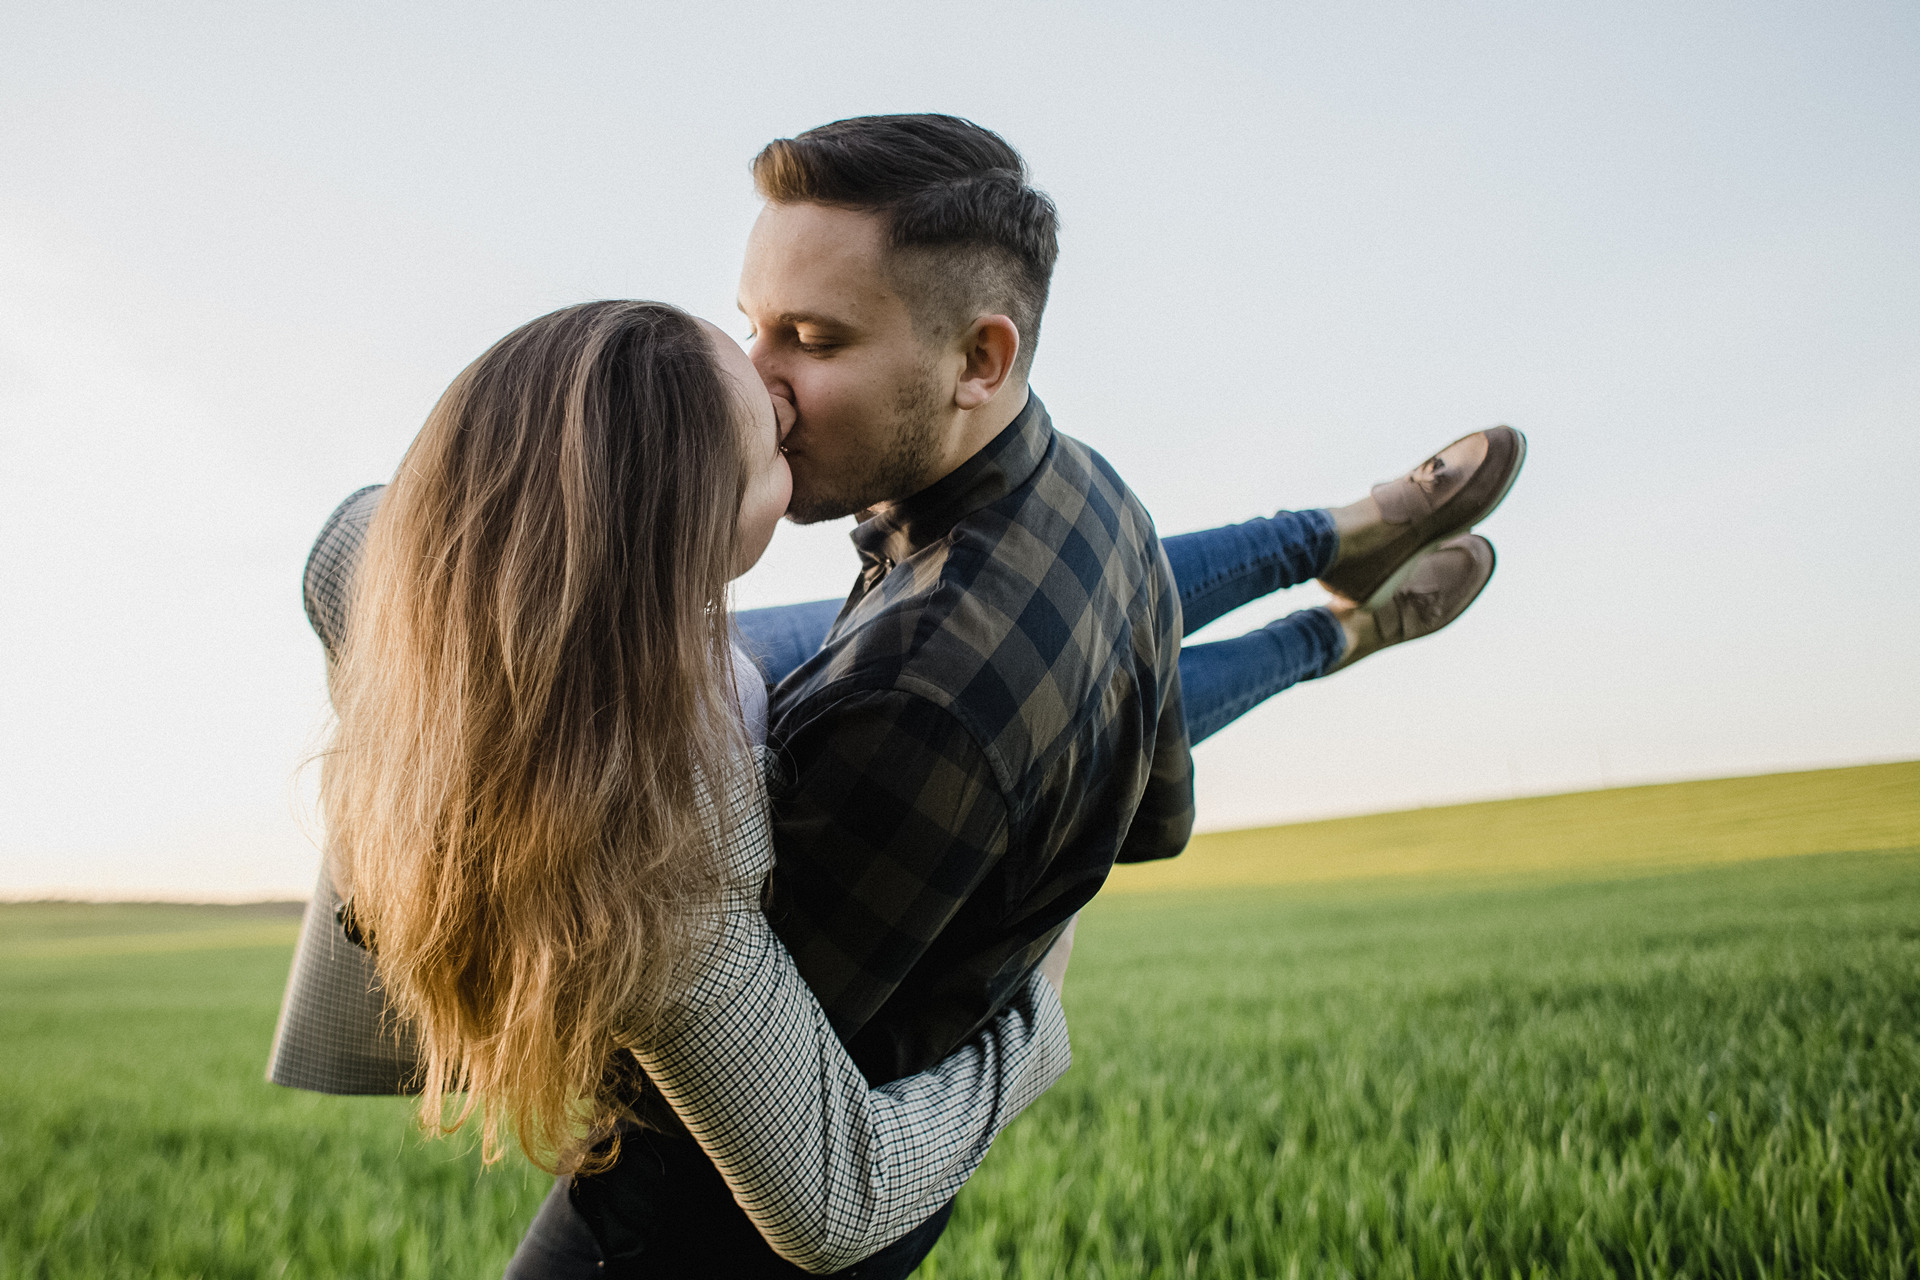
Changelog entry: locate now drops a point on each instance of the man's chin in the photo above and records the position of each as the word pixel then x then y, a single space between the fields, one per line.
pixel 819 508
pixel 817 514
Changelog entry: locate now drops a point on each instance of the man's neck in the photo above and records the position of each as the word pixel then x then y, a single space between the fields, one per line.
pixel 973 431
pixel 988 421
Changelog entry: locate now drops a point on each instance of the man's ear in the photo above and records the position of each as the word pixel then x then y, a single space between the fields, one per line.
pixel 991 346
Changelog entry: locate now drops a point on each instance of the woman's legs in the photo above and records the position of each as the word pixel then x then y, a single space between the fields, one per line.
pixel 783 637
pixel 1216 570
pixel 1223 680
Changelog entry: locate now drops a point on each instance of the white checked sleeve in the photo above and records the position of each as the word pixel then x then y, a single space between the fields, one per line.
pixel 828 1168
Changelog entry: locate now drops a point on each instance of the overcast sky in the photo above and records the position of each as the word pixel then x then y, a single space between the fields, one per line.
pixel 243 247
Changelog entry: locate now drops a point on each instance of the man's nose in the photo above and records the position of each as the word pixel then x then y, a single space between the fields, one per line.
pixel 767 363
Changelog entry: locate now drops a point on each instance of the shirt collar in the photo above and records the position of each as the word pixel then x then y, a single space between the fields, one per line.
pixel 1004 464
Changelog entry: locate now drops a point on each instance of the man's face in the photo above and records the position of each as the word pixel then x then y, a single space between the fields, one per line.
pixel 831 336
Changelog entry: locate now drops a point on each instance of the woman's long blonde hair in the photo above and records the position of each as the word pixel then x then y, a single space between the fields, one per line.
pixel 534 689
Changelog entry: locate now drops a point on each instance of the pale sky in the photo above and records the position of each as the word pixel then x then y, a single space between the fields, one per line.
pixel 243 247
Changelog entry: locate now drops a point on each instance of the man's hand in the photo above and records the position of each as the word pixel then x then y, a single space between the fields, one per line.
pixel 1054 966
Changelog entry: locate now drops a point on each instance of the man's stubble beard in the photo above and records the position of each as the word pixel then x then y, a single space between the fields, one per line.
pixel 899 472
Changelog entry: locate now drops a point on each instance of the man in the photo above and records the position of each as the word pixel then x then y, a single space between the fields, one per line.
pixel 994 717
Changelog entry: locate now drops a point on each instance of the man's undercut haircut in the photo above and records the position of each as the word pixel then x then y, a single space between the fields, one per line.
pixel 968 235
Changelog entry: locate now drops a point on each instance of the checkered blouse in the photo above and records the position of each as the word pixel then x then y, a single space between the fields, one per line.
pixel 827 1168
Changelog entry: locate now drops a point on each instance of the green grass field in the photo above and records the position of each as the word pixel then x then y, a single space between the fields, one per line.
pixel 1567 1066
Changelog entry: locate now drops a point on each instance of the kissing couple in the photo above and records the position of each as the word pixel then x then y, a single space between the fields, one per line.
pixel 752 926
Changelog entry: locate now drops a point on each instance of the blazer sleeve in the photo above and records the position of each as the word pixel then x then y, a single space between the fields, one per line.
pixel 330 565
pixel 829 1169
pixel 337 1033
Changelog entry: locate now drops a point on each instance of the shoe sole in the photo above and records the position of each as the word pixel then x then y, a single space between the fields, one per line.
pixel 1493 567
pixel 1397 579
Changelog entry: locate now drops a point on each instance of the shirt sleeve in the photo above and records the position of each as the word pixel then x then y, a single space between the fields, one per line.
pixel 1163 824
pixel 828 1168
pixel 887 818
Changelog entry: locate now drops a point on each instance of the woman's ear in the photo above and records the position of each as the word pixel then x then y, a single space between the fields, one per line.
pixel 991 346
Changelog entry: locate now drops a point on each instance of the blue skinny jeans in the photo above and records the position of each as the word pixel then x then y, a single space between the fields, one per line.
pixel 1217 571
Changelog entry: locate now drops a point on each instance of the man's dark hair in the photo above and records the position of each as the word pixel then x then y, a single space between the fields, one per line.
pixel 968 235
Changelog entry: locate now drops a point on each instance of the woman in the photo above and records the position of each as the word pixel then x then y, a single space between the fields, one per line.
pixel 546 812
pixel 540 800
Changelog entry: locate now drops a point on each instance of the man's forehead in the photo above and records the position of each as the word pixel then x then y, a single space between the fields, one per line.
pixel 821 226
pixel 813 264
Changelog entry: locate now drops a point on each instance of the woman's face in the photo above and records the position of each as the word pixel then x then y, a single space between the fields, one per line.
pixel 765 419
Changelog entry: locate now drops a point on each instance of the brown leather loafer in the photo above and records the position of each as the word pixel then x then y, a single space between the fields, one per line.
pixel 1438 589
pixel 1447 494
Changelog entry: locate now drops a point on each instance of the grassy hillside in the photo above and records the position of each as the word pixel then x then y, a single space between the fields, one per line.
pixel 1427 1072
pixel 139 1139
pixel 1710 1073
pixel 76 930
pixel 1588 834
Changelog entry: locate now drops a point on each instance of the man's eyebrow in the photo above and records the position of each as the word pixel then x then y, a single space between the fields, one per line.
pixel 814 318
